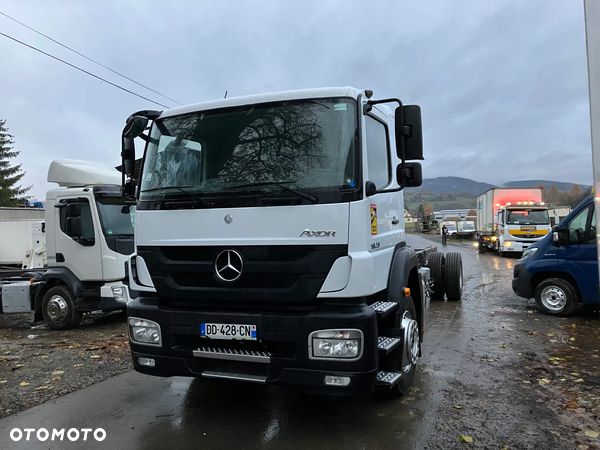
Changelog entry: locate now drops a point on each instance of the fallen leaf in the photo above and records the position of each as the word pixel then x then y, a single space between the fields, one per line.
pixel 520 354
pixel 572 405
pixel 503 346
pixel 563 379
pixel 490 360
pixel 574 325
pixel 76 345
pixel 554 341
pixel 579 380
pixel 24 383
pixel 575 374
pixel 527 382
pixel 555 433
pixel 95 356
pixel 44 356
pixel 41 388
pixel 550 334
pixel 543 381
pixel 584 447
pixel 591 433
pixel 556 358
pixel 465 438
pixel 457 407
pixel 77 365
pixel 58 372
pixel 572 339
pixel 3 381
pixel 530 312
pixel 533 333
pixel 51 387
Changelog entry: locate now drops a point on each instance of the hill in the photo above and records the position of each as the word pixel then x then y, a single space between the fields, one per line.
pixel 560 185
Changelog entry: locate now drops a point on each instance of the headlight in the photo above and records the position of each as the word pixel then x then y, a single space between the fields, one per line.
pixel 119 294
pixel 335 344
pixel 508 244
pixel 144 332
pixel 529 252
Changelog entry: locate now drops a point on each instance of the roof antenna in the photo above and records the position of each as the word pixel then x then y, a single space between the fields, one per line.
pixel 225 94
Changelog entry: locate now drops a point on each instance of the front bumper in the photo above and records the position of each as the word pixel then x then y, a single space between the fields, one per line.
pixel 521 282
pixel 281 336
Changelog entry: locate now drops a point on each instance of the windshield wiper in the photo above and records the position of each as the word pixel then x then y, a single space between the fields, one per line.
pixel 281 184
pixel 200 199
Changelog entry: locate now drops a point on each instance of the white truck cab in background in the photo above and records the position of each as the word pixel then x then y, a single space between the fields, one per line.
pixel 86 239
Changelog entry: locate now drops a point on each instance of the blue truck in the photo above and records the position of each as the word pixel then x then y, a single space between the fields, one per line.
pixel 561 270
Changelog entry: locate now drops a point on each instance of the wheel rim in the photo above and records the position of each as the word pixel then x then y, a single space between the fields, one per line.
pixel 553 298
pixel 411 340
pixel 57 308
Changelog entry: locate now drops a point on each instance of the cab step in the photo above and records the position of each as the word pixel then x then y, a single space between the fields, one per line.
pixel 387 344
pixel 388 379
pixel 384 308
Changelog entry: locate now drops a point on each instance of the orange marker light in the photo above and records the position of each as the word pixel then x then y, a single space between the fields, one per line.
pixel 406 292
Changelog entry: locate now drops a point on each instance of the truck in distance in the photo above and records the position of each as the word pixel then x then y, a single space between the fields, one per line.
pixel 76 257
pixel 509 220
pixel 269 242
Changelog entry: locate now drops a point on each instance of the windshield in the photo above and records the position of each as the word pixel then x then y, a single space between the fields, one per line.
pixel 115 217
pixel 308 145
pixel 527 216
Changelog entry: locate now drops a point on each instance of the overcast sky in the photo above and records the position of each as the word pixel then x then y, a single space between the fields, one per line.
pixel 502 84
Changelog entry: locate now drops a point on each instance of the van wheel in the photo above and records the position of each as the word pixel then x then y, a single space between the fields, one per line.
pixel 453 276
pixel 58 309
pixel 556 297
pixel 435 263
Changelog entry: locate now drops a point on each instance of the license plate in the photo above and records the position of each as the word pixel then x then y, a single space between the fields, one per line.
pixel 228 331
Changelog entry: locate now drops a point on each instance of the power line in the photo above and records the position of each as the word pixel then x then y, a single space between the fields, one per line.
pixel 89 59
pixel 82 70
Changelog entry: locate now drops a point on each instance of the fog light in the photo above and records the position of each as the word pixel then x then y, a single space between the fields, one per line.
pixel 119 294
pixel 148 362
pixel 508 244
pixel 338 344
pixel 337 381
pixel 144 332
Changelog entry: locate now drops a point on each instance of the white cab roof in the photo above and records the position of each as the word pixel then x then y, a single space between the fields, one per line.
pixel 265 98
pixel 75 173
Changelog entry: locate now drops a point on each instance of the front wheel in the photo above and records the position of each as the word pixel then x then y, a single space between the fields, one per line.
pixel 58 309
pixel 556 297
pixel 410 350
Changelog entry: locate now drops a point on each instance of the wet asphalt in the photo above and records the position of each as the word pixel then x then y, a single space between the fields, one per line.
pixel 462 344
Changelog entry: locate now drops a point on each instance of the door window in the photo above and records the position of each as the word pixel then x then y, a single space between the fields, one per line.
pixel 87 223
pixel 582 229
pixel 378 153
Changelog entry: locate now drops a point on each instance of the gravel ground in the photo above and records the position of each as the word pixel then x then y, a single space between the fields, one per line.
pixel 38 365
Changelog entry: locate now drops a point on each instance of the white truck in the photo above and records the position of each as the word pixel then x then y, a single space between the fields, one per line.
pixel 466 228
pixel 270 243
pixel 450 225
pixel 509 220
pixel 76 257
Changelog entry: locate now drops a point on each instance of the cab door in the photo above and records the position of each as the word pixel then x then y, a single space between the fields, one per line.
pixel 579 257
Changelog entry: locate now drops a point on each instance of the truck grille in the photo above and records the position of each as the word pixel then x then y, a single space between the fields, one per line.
pixel 285 275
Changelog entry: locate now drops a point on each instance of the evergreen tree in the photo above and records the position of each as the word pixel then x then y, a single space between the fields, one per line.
pixel 10 191
pixel 420 211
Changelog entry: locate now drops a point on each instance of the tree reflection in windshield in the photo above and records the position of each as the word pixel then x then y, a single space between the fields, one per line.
pixel 310 143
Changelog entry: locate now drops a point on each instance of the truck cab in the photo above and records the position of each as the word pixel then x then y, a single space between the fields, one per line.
pixel 519 225
pixel 561 270
pixel 86 239
pixel 269 242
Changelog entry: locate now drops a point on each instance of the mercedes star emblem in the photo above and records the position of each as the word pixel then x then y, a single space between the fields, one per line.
pixel 228 266
pixel 228 219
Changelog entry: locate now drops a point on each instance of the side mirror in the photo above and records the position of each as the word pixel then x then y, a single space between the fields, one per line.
pixel 410 176
pixel 560 237
pixel 128 157
pixel 135 126
pixel 73 226
pixel 73 210
pixel 409 132
pixel 370 189
pixel 128 190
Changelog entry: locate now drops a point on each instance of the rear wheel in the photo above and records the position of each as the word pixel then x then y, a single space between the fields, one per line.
pixel 58 309
pixel 556 297
pixel 436 266
pixel 453 276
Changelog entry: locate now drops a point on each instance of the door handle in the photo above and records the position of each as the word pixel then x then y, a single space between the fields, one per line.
pixel 395 221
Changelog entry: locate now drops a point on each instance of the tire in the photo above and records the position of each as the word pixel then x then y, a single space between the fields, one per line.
pixel 556 297
pixel 436 266
pixel 58 309
pixel 453 276
pixel 405 382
